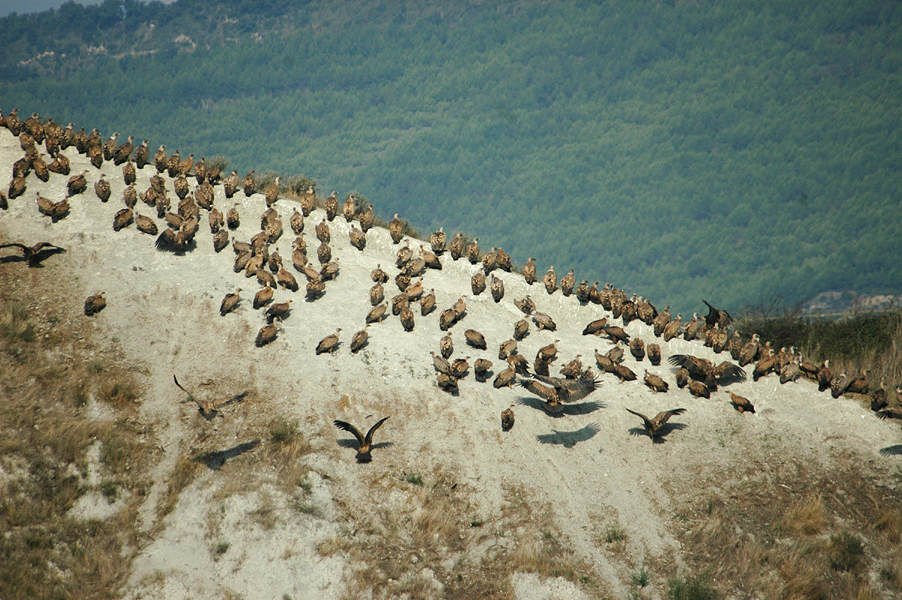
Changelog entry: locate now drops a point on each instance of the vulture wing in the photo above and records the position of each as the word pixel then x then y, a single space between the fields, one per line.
pixel 369 434
pixel 648 424
pixel 663 417
pixel 350 428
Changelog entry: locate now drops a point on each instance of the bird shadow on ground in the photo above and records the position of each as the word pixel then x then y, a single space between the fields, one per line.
pixel 894 450
pixel 582 408
pixel 569 439
pixel 662 432
pixel 36 261
pixel 215 460
pixel 352 443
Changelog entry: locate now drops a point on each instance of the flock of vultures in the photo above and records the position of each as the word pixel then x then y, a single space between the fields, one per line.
pixel 175 228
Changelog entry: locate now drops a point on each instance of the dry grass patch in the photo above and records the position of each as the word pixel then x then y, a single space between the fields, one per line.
pixel 433 542
pixel 45 382
pixel 794 531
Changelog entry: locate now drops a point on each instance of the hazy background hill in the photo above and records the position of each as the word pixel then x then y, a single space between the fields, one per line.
pixel 733 151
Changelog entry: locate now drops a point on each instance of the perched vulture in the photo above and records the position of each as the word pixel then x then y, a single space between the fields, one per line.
pixel 94 304
pixel 229 303
pixel 329 343
pixel 655 383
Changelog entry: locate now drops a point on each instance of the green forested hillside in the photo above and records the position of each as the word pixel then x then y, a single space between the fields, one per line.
pixel 737 151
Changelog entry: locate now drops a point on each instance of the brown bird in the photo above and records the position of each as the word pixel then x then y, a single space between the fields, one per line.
pixel 77 184
pixel 567 283
pixel 437 241
pixel 287 280
pixel 364 443
pixel 440 363
pixel 377 294
pixel 507 419
pixel 475 339
pixel 497 288
pixel 472 251
pixel 359 340
pixel 229 303
pixel 349 208
pixel 206 408
pixel 544 321
pixel 446 345
pixel 266 334
pixel 481 369
pixel 35 254
pixel 699 389
pixel 505 378
pixel 521 329
pixel 749 351
pixel 519 363
pixel 263 296
pixel 506 349
pixel 661 321
pixel 596 327
pixel 693 328
pixel 378 275
pixel 550 280
pixel 654 354
pixel 456 247
pixel 624 373
pixel 717 316
pixel 447 319
pixel 447 383
pixel 396 229
pixel 329 343
pixel 427 303
pixel 488 261
pixel 376 314
pixel 654 427
pixel 824 376
pixel 406 316
pixel 232 218
pixel 546 392
pixel 279 310
pixel 637 348
pixel 571 390
pixel 672 329
pixel 358 238
pixel 859 385
pixel 271 192
pixel 477 283
pixel 248 183
pixel 790 372
pixel 655 383
pixel 322 232
pixel 682 377
pixel 95 303
pixel 331 206
pixel 460 367
pixel 616 333
pixel 102 188
pixel 529 271
pixel 572 369
pixel 605 363
pixel 526 305
pixel 315 289
pixel 702 369
pixel 741 404
pixel 123 218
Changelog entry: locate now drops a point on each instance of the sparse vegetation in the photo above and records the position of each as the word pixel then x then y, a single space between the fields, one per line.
pixel 613 534
pixel 846 551
pixel 690 587
pixel 282 431
pixel 42 431
pixel 760 539
pixel 414 478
